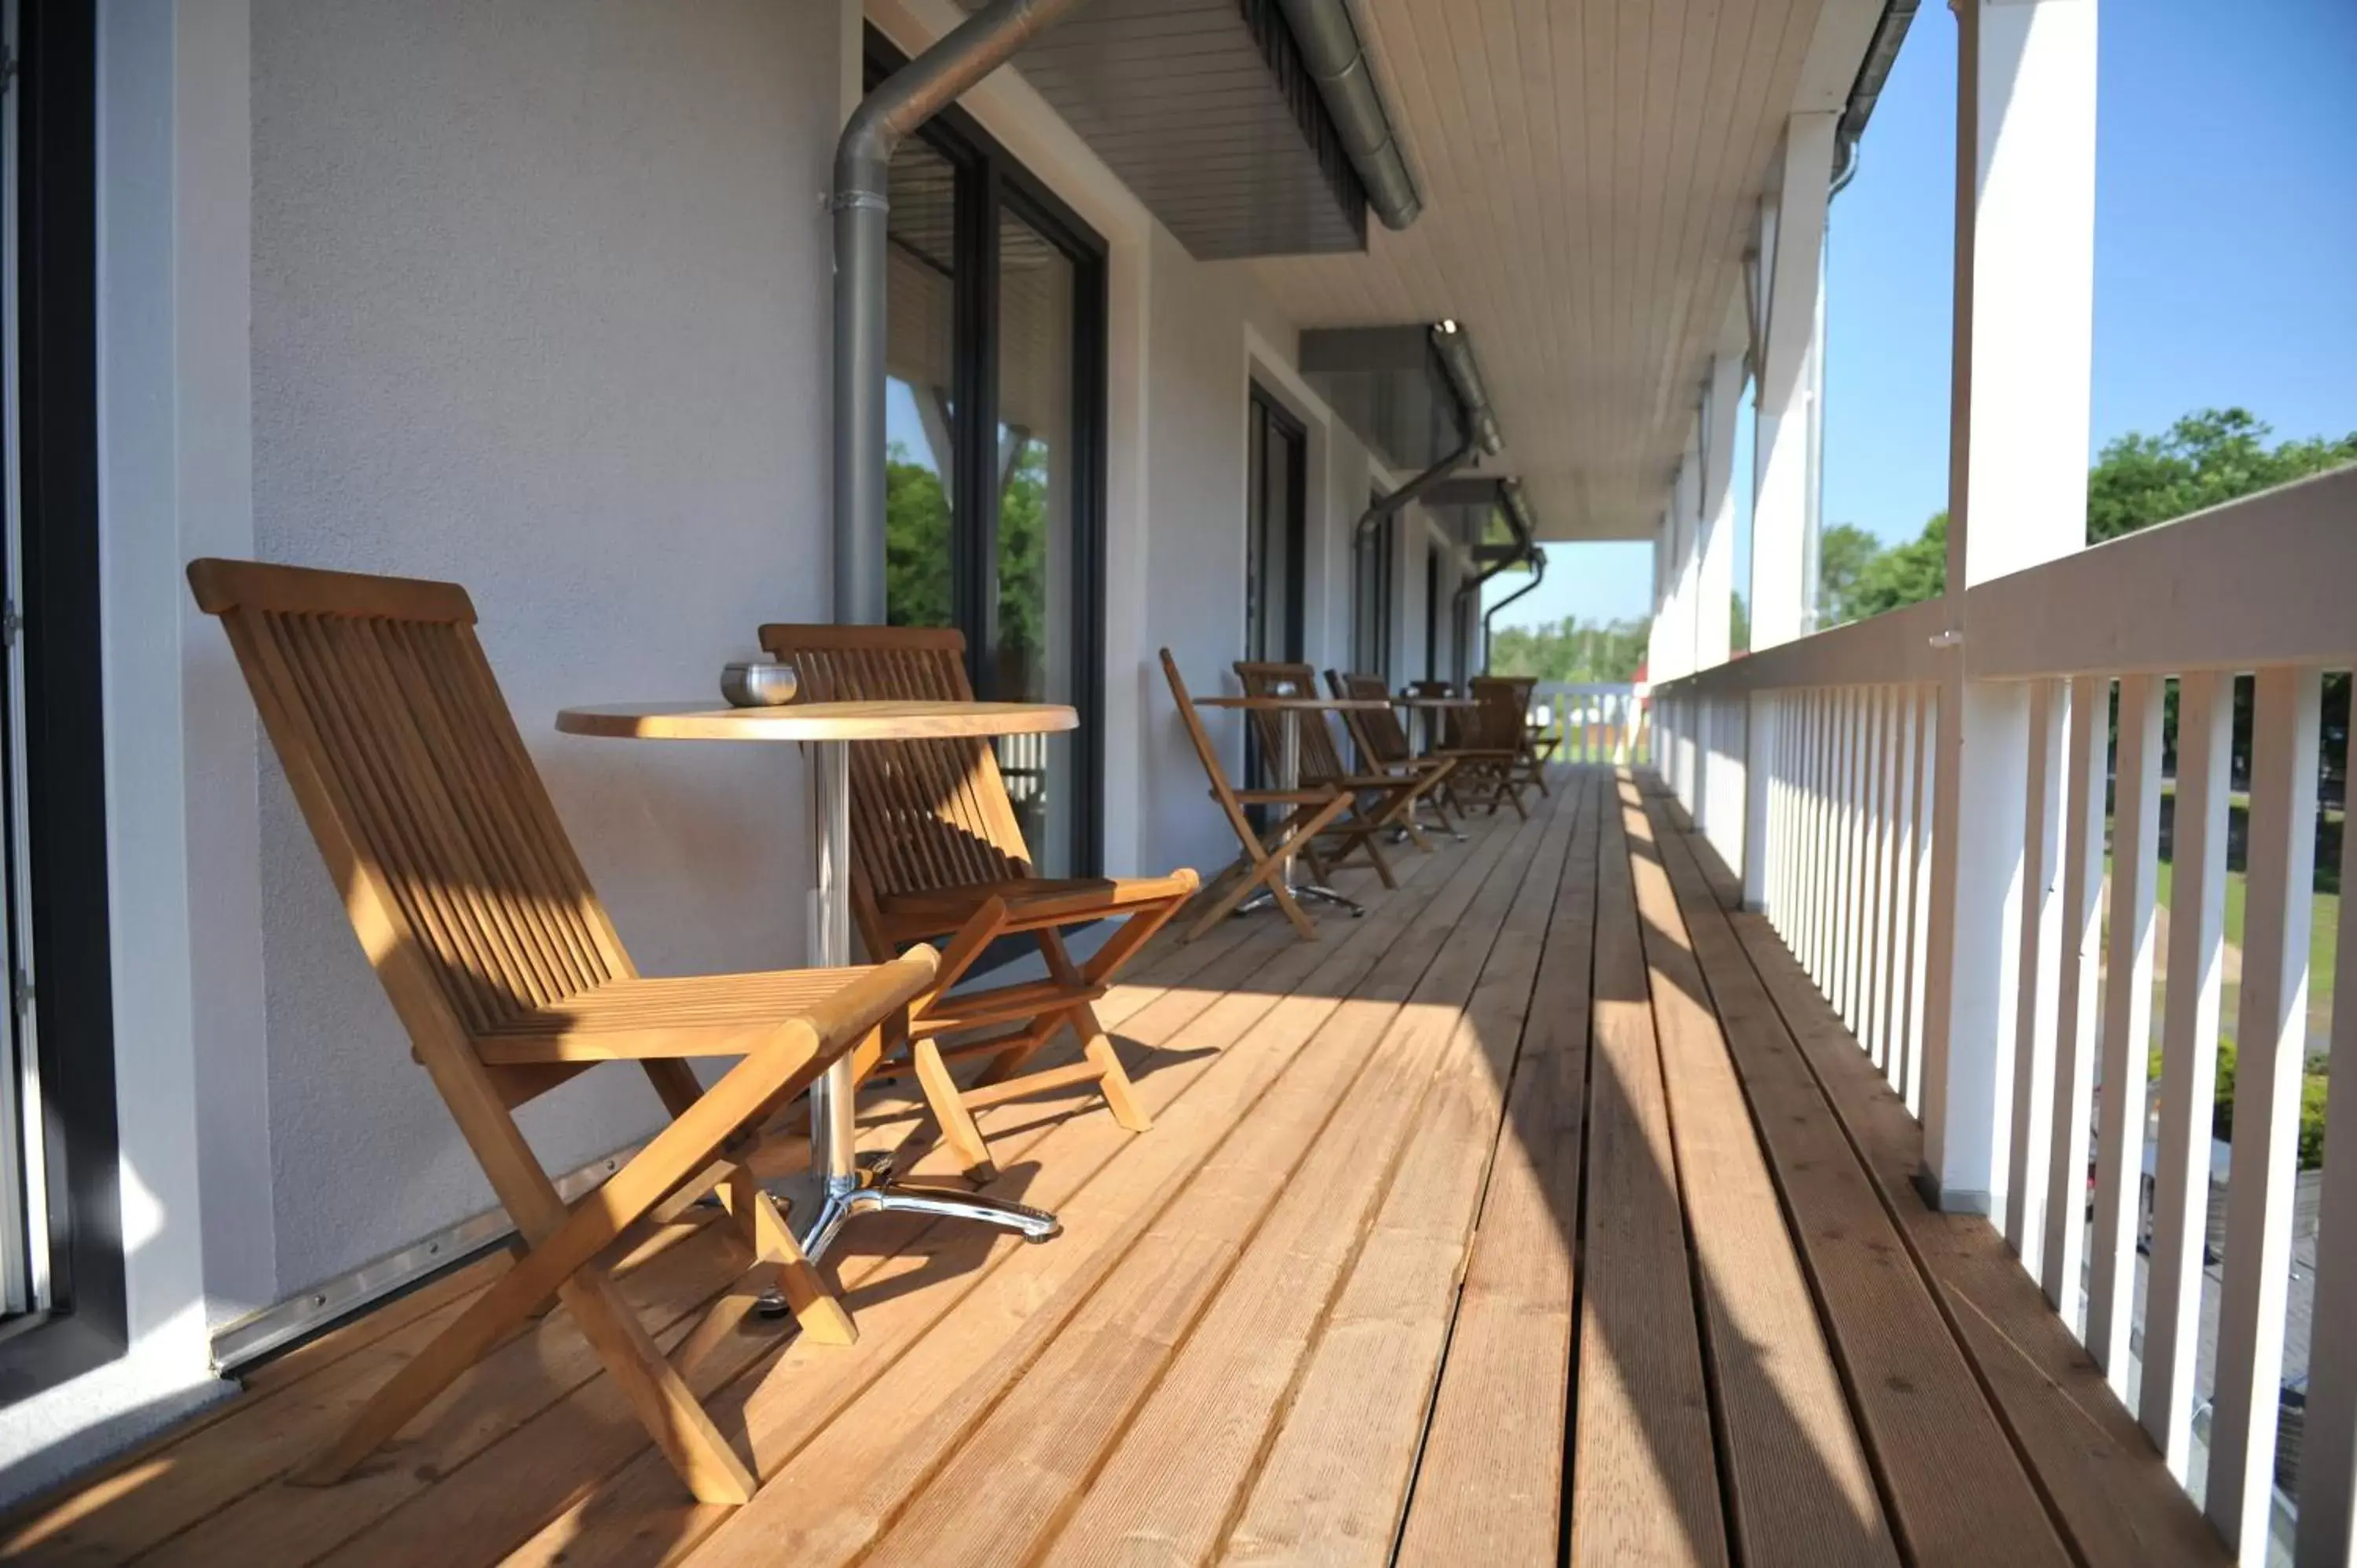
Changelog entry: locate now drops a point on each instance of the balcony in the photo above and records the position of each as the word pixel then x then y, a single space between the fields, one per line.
pixel 1549 1201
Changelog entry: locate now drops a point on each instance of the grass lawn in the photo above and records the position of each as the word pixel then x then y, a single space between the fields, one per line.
pixel 2323 944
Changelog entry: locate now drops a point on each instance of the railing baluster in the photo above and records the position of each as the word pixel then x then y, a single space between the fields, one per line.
pixel 2270 1040
pixel 1857 884
pixel 1828 900
pixel 1882 941
pixel 2075 1034
pixel 2041 961
pixel 1813 831
pixel 2189 1062
pixel 1853 794
pixel 2328 1463
pixel 1927 792
pixel 1902 883
pixel 2127 1027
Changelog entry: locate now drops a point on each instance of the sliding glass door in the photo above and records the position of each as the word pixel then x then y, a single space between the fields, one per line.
pixel 1276 470
pixel 995 358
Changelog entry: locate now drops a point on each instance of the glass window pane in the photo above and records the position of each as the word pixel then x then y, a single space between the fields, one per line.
pixel 920 360
pixel 1038 478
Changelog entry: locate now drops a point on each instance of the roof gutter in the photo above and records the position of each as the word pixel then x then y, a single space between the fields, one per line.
pixel 1882 53
pixel 1346 81
pixel 1538 575
pixel 861 204
pixel 1474 417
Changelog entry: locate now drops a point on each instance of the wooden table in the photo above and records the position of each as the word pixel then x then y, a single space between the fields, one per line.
pixel 1288 777
pixel 847 1185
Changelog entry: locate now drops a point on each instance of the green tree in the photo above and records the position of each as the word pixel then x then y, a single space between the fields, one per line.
pixel 916 542
pixel 1844 551
pixel 1567 651
pixel 2205 460
pixel 1738 624
pixel 1904 573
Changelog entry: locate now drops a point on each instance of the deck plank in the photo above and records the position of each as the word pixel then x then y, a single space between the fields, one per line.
pixel 1333 1486
pixel 2104 1482
pixel 1644 1481
pixel 1489 1487
pixel 1799 1490
pixel 1316 1143
pixel 1954 1487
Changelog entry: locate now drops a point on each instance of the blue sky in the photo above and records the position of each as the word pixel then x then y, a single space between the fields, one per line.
pixel 2225 260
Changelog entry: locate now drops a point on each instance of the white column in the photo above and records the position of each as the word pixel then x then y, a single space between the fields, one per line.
pixel 1716 572
pixel 1719 804
pixel 2016 496
pixel 1686 505
pixel 1791 242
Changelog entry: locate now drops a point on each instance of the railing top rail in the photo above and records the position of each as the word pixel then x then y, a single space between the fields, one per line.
pixel 2269 580
pixel 2257 582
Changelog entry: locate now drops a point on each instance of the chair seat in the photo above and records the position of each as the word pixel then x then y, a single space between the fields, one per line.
pixel 1030 901
pixel 718 1015
pixel 1017 891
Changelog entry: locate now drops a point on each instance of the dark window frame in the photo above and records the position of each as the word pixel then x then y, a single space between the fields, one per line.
pixel 1268 414
pixel 1374 584
pixel 990 182
pixel 86 1324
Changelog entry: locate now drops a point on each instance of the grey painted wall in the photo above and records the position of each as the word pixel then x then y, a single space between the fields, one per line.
pixel 540 298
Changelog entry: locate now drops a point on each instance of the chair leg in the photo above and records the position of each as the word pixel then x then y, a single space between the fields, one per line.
pixel 1375 854
pixel 778 1262
pixel 1120 1093
pixel 666 1406
pixel 948 1106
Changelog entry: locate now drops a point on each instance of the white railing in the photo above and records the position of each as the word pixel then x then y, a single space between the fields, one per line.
pixel 2019 1008
pixel 1600 722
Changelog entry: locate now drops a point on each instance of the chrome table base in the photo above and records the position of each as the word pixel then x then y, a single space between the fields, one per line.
pixel 1308 892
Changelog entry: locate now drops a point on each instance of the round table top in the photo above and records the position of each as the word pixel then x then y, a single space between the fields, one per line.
pixel 1407 702
pixel 816 721
pixel 1290 705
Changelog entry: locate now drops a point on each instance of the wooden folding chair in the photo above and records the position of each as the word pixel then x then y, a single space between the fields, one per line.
pixel 502 965
pixel 936 852
pixel 1487 761
pixel 1380 803
pixel 1383 746
pixel 1265 855
pixel 1506 708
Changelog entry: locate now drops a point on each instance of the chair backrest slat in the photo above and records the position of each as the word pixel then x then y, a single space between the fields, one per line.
pixel 1379 731
pixel 1505 708
pixel 925 814
pixel 417 786
pixel 1322 761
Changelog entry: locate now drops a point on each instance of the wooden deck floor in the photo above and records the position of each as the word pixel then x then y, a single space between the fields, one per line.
pixel 1546 1211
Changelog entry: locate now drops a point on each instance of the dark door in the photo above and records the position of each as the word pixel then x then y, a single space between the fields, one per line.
pixel 1432 671
pixel 1274 530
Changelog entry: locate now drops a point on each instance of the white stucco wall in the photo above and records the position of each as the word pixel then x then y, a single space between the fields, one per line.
pixel 540 297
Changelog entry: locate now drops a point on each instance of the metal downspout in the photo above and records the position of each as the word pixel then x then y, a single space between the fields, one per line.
pixel 1397 500
pixel 1538 575
pixel 1346 81
pixel 861 204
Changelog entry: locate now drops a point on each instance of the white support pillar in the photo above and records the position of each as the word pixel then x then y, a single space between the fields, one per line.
pixel 2016 496
pixel 1686 507
pixel 1719 801
pixel 1791 245
pixel 1722 397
